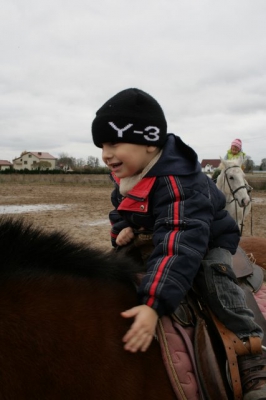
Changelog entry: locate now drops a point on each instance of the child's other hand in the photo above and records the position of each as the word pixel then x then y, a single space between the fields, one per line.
pixel 142 331
pixel 125 236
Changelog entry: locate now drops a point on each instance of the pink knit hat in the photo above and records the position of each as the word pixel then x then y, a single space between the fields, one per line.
pixel 237 143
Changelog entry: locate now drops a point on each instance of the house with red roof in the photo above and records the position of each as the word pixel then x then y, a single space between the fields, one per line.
pixel 4 164
pixel 210 165
pixel 33 160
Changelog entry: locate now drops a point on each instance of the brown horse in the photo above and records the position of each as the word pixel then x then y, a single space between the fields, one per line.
pixel 256 246
pixel 60 324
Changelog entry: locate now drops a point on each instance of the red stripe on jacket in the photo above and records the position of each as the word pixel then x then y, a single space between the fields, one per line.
pixel 170 244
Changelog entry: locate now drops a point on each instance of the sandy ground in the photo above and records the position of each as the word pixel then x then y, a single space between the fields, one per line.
pixel 84 209
pixel 84 212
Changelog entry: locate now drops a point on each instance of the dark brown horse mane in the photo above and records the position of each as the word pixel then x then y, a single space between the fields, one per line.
pixel 25 249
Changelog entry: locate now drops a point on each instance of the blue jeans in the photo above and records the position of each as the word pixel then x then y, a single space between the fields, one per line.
pixel 218 287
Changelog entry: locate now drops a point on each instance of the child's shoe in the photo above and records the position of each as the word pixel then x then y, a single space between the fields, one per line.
pixel 252 370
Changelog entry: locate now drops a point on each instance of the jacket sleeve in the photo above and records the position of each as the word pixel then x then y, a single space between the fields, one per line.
pixel 181 234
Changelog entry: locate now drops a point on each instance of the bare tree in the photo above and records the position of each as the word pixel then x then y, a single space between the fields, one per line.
pixel 263 164
pixel 80 162
pixel 65 162
pixel 249 164
pixel 93 162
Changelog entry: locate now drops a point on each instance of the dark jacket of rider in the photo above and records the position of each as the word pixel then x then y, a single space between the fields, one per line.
pixel 184 211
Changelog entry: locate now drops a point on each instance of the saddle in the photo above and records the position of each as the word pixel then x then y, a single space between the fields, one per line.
pixel 194 334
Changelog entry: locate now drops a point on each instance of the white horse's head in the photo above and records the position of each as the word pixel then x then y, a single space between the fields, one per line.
pixel 232 183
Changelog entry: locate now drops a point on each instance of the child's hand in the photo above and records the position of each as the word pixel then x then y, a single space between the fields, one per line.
pixel 141 332
pixel 125 236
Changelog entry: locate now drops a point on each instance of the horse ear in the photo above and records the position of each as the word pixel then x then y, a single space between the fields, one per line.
pixel 223 161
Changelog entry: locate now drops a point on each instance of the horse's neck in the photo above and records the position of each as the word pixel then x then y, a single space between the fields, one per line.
pixel 236 212
pixel 228 196
pixel 223 186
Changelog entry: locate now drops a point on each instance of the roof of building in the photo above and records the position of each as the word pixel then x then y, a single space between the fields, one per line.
pixel 214 162
pixel 5 162
pixel 39 154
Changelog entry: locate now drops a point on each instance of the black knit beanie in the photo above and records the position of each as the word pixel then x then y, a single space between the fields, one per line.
pixel 131 116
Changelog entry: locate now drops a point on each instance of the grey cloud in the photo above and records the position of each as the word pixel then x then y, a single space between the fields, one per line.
pixel 60 60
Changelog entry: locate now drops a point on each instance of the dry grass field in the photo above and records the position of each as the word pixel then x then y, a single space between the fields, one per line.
pixel 79 205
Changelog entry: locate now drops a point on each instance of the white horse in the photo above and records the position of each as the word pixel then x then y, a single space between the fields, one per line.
pixel 236 189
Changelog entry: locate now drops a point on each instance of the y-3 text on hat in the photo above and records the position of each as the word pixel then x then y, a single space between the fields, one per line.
pixel 153 131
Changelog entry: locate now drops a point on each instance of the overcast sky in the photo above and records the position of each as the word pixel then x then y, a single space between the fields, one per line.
pixel 203 60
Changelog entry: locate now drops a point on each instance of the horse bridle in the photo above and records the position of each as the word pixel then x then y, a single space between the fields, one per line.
pixel 233 192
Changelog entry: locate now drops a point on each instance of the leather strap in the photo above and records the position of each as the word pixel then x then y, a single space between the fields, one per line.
pixel 235 347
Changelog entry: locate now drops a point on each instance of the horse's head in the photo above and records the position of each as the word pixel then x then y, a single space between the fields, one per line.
pixel 232 183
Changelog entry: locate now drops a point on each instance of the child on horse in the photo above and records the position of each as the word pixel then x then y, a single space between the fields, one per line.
pixel 161 191
pixel 235 150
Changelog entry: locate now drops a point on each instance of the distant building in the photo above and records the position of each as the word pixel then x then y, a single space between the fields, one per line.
pixel 32 160
pixel 209 166
pixel 4 164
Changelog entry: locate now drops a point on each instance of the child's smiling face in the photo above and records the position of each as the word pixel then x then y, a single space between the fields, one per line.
pixel 127 159
pixel 234 150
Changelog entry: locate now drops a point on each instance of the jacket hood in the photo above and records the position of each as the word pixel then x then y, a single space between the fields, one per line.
pixel 177 159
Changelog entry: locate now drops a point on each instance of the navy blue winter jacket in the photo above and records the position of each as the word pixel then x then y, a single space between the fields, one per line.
pixel 184 210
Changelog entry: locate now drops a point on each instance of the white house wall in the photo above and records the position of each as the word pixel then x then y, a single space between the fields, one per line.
pixel 27 161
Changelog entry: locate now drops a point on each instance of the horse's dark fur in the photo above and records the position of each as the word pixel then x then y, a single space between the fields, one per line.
pixel 24 247
pixel 60 324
